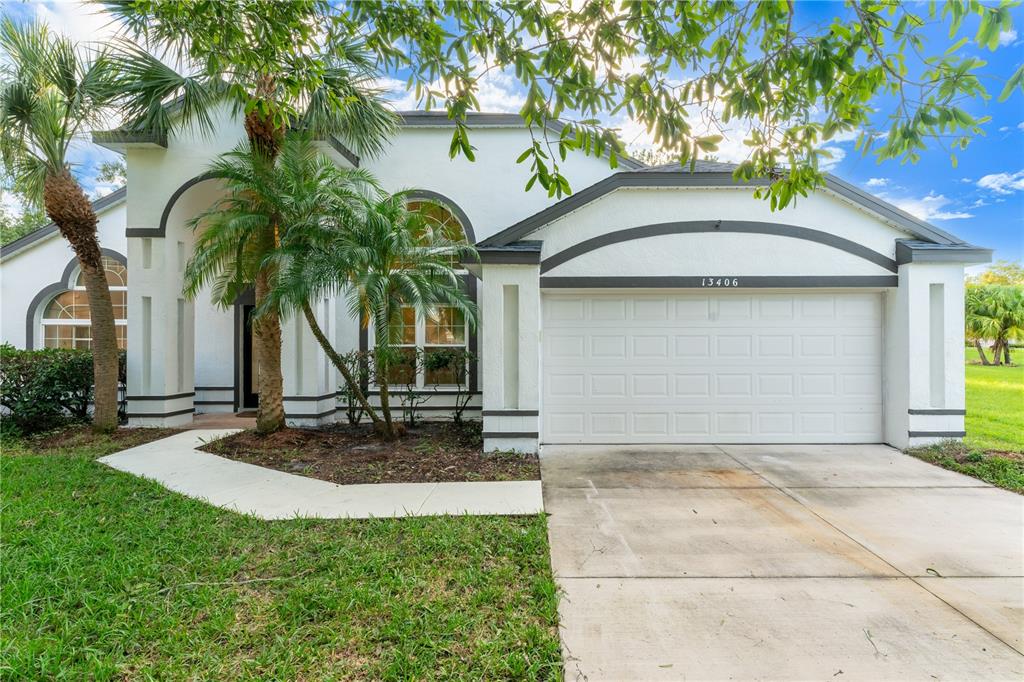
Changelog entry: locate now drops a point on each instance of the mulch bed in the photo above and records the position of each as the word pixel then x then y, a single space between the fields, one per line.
pixel 431 452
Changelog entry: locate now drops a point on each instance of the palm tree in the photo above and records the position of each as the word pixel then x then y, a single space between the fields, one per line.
pixel 382 259
pixel 301 196
pixel 994 313
pixel 52 90
pixel 276 64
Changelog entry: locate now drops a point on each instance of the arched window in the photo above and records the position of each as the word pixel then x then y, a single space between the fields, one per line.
pixel 442 330
pixel 66 317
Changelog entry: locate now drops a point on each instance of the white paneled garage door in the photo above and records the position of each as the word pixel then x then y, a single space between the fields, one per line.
pixel 712 367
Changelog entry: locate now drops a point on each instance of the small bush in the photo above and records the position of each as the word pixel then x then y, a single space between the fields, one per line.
pixel 42 388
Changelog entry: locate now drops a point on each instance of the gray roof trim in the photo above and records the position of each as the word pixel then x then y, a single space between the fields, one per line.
pixel 483 119
pixel 347 153
pixel 161 231
pixel 727 226
pixel 120 136
pixel 517 253
pixel 114 198
pixel 681 177
pixel 910 251
pixel 438 198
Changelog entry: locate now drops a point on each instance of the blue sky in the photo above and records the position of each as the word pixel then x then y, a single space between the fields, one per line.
pixel 981 200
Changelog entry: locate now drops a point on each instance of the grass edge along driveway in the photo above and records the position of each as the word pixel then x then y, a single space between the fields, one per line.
pixel 107 576
pixel 993 450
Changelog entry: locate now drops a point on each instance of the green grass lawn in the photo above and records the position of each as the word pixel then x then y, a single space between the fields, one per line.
pixel 106 576
pixel 995 404
pixel 994 447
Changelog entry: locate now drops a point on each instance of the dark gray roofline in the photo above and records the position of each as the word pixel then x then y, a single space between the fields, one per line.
pixel 115 197
pixel 483 119
pixel 909 251
pixel 121 136
pixel 517 253
pixel 680 178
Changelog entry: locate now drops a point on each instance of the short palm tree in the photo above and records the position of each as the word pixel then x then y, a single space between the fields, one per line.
pixel 300 197
pixel 51 91
pixel 382 259
pixel 271 62
pixel 994 313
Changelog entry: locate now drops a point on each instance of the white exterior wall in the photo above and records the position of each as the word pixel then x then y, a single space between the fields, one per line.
pixel 25 273
pixel 511 417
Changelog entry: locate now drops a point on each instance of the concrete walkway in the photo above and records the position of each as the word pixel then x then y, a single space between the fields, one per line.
pixel 269 494
pixel 782 563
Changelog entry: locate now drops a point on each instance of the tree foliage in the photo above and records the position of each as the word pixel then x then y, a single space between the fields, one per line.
pixel 686 69
pixel 1001 272
pixel 994 313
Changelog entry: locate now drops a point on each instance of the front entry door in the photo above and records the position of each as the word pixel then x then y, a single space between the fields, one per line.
pixel 250 367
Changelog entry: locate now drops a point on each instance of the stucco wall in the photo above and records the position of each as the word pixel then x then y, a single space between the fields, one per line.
pixel 27 272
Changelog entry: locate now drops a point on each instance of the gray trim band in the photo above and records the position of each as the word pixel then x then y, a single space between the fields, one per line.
pixel 681 178
pixel 510 413
pixel 213 402
pixel 936 434
pixel 923 252
pixel 730 226
pixel 215 388
pixel 161 231
pixel 176 396
pixel 51 290
pixel 321 415
pixel 492 257
pixel 745 282
pixel 344 151
pixel 161 414
pixel 438 198
pixel 311 398
pixel 120 136
pixel 510 434
pixel 954 413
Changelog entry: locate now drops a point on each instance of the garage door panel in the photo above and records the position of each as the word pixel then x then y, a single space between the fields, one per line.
pixel 735 367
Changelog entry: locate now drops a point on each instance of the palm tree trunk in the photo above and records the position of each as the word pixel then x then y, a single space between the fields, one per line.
pixel 383 366
pixel 997 355
pixel 266 339
pixel 69 208
pixel 981 352
pixel 338 362
pixel 1006 354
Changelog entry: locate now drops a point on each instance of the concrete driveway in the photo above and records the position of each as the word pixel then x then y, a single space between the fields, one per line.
pixel 782 562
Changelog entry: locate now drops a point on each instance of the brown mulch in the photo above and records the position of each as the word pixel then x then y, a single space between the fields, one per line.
pixel 431 452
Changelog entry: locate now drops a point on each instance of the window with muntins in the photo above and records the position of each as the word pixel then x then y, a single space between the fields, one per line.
pixel 65 321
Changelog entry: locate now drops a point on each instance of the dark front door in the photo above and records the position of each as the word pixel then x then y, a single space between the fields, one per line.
pixel 250 398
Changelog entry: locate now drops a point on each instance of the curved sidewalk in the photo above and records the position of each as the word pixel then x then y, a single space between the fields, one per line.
pixel 175 463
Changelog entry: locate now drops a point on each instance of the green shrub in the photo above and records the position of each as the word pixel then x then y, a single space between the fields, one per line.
pixel 41 388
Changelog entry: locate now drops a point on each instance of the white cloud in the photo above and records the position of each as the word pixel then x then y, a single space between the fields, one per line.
pixel 1003 183
pixel 877 182
pixel 930 207
pixel 1003 129
pixel 836 155
pixel 81 21
pixel 1021 125
pixel 10 203
pixel 1007 37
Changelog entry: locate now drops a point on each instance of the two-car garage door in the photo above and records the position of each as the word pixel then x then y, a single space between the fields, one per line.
pixel 705 367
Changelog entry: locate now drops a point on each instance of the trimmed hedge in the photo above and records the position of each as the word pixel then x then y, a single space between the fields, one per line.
pixel 42 388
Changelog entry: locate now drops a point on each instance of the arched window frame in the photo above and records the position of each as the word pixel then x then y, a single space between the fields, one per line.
pixel 74 279
pixel 426 330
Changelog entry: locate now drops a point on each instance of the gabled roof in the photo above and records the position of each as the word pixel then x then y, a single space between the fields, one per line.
pixel 710 174
pixel 116 197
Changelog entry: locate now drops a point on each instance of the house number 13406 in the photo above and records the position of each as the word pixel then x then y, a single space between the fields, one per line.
pixel 719 281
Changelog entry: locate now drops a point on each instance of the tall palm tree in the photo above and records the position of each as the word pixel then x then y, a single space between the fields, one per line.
pixel 994 313
pixel 276 64
pixel 51 91
pixel 301 196
pixel 383 259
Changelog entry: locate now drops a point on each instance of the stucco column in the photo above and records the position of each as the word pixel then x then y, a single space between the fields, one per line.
pixel 161 334
pixel 310 382
pixel 924 391
pixel 510 350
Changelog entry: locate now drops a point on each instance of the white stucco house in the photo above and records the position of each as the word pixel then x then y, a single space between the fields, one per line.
pixel 654 305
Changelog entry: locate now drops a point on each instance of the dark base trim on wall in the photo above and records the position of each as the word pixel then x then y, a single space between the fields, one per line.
pixel 742 282
pixel 398 394
pixel 955 413
pixel 511 413
pixel 311 398
pixel 936 434
pixel 509 434
pixel 215 388
pixel 214 402
pixel 321 415
pixel 132 415
pixel 160 397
